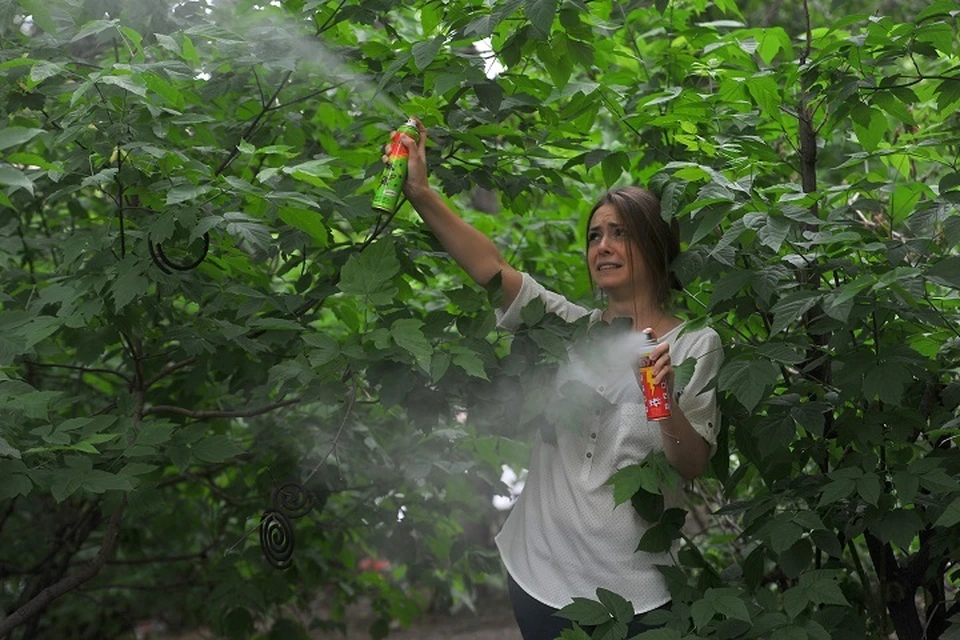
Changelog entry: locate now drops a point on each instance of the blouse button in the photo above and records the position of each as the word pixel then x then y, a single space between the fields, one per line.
pixel 589 455
pixel 596 412
pixel 593 435
pixel 601 388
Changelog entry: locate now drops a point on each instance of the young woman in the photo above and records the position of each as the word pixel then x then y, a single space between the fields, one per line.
pixel 564 538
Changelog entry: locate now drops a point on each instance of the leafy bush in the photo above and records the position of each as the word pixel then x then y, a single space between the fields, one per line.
pixel 200 307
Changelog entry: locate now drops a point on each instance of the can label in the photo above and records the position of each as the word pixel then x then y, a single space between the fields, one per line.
pixel 395 173
pixel 656 396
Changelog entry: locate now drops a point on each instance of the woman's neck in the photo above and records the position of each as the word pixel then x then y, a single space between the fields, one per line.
pixel 645 313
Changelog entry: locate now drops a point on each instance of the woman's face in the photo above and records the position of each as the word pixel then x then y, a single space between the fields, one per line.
pixel 611 253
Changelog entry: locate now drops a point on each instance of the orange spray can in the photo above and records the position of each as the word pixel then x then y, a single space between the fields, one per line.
pixel 656 396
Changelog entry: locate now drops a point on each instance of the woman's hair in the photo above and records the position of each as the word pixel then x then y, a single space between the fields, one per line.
pixel 657 240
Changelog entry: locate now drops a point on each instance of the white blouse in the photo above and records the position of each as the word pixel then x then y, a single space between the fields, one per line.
pixel 564 538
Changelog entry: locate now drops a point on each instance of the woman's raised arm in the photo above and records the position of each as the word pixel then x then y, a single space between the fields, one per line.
pixel 472 250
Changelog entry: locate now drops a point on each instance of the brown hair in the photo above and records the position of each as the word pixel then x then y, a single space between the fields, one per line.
pixel 657 240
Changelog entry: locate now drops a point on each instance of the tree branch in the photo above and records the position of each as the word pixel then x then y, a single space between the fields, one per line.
pixel 7 512
pixel 148 587
pixel 207 415
pixel 253 125
pixel 158 559
pixel 125 377
pixel 329 21
pixel 176 366
pixel 43 599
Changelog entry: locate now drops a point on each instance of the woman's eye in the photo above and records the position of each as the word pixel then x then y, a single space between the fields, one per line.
pixel 593 237
pixel 619 233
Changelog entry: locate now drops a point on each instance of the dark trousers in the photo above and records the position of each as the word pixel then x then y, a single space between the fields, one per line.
pixel 537 622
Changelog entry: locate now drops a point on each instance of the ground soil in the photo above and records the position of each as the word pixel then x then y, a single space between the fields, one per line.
pixel 493 620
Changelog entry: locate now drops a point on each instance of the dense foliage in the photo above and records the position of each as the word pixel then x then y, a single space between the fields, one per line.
pixel 199 306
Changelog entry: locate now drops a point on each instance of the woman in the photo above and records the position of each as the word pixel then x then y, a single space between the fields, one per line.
pixel 564 538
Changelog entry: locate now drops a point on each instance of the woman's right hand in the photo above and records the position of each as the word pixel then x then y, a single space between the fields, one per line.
pixel 416 185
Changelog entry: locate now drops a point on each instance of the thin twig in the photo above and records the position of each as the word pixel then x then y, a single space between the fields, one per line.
pixel 206 415
pixel 168 370
pixel 253 125
pixel 158 559
pixel 327 23
pixel 125 377
pixel 147 587
pixel 336 438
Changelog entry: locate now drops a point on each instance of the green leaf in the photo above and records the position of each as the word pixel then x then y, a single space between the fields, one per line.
pixel 683 373
pixel 154 433
pixel 827 541
pixel 37 330
pixel 409 337
pixel 731 607
pixel 790 309
pixel 796 559
pixel 889 102
pixel 186 192
pixel 323 348
pixel 648 506
pixel 533 312
pixel 585 611
pixel 948 93
pixel 628 480
pixel 899 526
pixel 216 449
pixel 795 600
pixel 836 491
pixel 765 92
pixel 869 125
pixel 248 229
pixel 490 95
pixel 6 450
pixel 130 83
pixel 13 136
pixel 907 486
pixel 469 361
pixel 827 591
pixel 97 481
pixel 439 364
pixel 949 518
pixel 703 613
pixel 369 274
pixel 94 27
pixel 541 13
pixel 576 633
pixel 129 285
pixel 310 222
pixel 748 380
pixel 15 178
pixel 617 605
pixel 869 489
pixel 611 630
pixel 946 272
pixel 425 52
pixel 659 538
pixel 613 167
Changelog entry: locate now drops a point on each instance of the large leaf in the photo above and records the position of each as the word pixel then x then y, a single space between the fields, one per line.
pixel 369 274
pixel 13 136
pixel 748 380
pixel 409 336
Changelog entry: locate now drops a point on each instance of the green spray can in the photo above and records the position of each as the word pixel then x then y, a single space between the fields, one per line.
pixel 395 173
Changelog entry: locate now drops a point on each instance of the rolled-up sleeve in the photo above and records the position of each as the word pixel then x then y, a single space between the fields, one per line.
pixel 700 405
pixel 509 319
